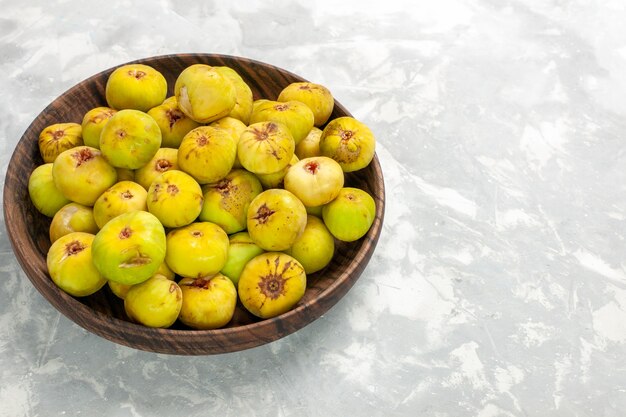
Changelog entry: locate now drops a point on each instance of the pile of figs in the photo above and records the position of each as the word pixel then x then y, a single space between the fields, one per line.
pixel 185 205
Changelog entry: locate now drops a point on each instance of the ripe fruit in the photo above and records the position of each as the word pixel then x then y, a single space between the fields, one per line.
pixel 93 122
pixel 233 126
pixel 44 194
pixel 130 248
pixel 57 138
pixel 204 94
pixel 226 202
pixel 243 95
pixel 208 302
pixel 155 302
pixel 122 197
pixel 174 124
pixel 130 139
pixel 197 250
pixel 271 284
pixel 310 145
pixel 317 97
pixel 315 248
pixel 72 217
pixel 276 218
pixel 349 142
pixel 315 181
pixel 265 147
pixel 164 159
pixel 135 86
pixel 120 290
pixel 82 174
pixel 350 215
pixel 276 179
pixel 241 249
pixel 295 115
pixel 207 154
pixel 175 198
pixel 70 265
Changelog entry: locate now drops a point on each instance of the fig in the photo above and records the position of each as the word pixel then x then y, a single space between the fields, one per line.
pixel 208 302
pixel 257 103
pixel 241 249
pixel 120 290
pixel 130 248
pixel 93 122
pixel 271 284
pixel 174 124
pixel 125 174
pixel 175 198
pixel 44 194
pixel 197 250
pixel 276 179
pixel 310 145
pixel 349 142
pixel 72 217
pixel 122 197
pixel 207 154
pixel 164 159
pixel 203 94
pixel 315 181
pixel 135 86
pixel 315 248
pixel 350 215
pixel 276 218
pixel 130 139
pixel 233 126
pixel 155 302
pixel 226 202
pixel 315 211
pixel 82 174
pixel 57 138
pixel 295 115
pixel 70 265
pixel 265 147
pixel 316 97
pixel 243 94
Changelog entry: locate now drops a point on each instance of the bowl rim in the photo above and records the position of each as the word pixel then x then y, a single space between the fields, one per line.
pixel 118 330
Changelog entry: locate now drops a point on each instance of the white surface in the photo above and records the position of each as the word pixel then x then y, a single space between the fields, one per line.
pixel 499 284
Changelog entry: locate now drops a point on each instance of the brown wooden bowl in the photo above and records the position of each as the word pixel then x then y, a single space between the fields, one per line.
pixel 103 313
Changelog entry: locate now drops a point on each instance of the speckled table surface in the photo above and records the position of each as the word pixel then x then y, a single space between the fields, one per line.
pixel 498 287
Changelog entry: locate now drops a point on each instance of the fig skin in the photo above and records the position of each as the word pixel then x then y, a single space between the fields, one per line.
pixel 243 94
pixel 93 122
pixel 276 218
pixel 317 97
pixel 207 154
pixel 72 217
pixel 82 174
pixel 226 202
pixel 122 197
pixel 130 248
pixel 175 198
pixel 310 145
pixel 233 126
pixel 241 249
pixel 315 248
pixel 350 215
pixel 315 181
pixel 208 302
pixel 43 192
pixel 125 174
pixel 265 147
pixel 315 211
pixel 135 86
pixel 70 265
pixel 174 124
pixel 203 94
pixel 295 115
pixel 197 250
pixel 155 302
pixel 165 159
pixel 271 284
pixel 349 142
pixel 120 290
pixel 276 179
pixel 57 138
pixel 130 139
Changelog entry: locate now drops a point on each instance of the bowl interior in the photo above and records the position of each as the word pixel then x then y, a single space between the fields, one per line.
pixel 103 313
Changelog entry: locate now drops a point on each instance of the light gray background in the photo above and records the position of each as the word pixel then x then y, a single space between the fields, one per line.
pixel 498 287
